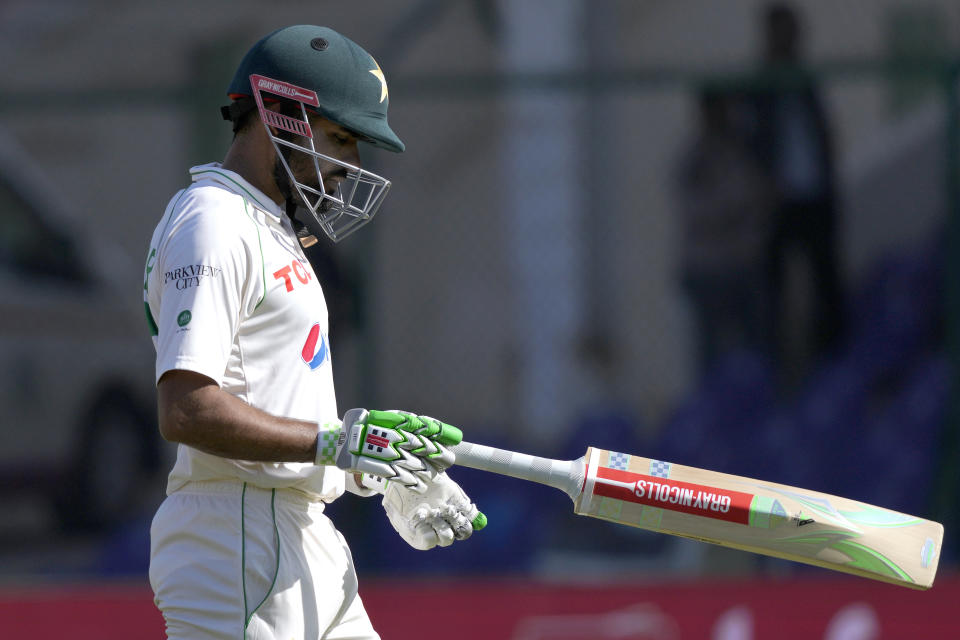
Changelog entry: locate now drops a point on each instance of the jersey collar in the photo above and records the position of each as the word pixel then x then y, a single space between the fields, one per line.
pixel 235 183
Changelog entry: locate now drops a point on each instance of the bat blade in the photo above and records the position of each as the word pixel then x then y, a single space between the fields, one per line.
pixel 733 511
pixel 761 517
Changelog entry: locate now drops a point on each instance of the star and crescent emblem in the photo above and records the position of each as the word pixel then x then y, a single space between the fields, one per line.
pixel 384 94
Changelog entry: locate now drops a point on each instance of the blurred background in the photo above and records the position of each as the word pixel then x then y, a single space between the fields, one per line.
pixel 720 234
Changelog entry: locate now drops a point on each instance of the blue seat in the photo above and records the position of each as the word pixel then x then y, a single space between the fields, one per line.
pixel 608 427
pixel 903 440
pixel 897 312
pixel 834 399
pixel 713 425
pixel 776 452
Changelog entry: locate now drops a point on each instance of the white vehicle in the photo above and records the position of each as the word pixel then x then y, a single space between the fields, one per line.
pixel 76 365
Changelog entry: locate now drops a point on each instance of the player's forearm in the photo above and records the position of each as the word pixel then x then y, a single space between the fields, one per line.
pixel 201 415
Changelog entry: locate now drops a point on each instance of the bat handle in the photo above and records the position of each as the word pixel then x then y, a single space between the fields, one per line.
pixel 566 475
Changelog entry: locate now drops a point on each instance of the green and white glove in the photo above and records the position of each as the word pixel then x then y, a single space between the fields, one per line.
pixel 402 447
pixel 438 516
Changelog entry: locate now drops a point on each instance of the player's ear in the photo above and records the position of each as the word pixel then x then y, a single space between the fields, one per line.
pixel 275 107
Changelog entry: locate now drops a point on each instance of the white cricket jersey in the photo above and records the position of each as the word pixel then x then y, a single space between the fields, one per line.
pixel 229 294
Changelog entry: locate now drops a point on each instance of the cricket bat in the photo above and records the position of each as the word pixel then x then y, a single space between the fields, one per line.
pixel 752 515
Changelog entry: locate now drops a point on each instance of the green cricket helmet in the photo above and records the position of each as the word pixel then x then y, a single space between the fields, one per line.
pixel 315 69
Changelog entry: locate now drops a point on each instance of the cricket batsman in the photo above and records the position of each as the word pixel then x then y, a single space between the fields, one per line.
pixel 240 547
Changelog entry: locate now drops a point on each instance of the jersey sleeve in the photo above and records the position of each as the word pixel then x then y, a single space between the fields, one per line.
pixel 200 289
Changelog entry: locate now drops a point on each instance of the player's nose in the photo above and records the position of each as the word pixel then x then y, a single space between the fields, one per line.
pixel 351 153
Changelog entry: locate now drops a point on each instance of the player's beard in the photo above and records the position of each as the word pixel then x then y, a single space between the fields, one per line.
pixel 285 183
pixel 304 222
pixel 348 198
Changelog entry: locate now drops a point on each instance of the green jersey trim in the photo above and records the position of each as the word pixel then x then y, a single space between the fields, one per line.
pixel 231 180
pixel 151 323
pixel 263 264
pixel 148 266
pixel 247 614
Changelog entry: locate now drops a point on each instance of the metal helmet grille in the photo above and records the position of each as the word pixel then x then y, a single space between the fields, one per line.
pixel 358 195
pixel 356 200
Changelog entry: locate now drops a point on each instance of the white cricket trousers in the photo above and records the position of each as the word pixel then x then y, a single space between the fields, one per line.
pixel 233 561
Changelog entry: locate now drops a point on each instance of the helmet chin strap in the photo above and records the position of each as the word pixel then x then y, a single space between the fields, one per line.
pixel 307 237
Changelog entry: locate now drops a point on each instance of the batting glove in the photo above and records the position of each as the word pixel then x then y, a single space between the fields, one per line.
pixel 438 516
pixel 405 448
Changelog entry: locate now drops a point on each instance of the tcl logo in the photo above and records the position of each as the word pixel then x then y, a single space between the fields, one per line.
pixel 297 269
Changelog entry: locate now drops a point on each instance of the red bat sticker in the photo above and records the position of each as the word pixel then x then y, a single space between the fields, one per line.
pixel 685 497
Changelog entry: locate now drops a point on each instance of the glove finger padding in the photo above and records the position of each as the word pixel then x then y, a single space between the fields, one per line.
pixel 459 520
pixel 407 470
pixel 439 516
pixel 425 426
pixel 400 446
pixel 432 453
pixel 420 532
pixel 443 531
pixel 410 518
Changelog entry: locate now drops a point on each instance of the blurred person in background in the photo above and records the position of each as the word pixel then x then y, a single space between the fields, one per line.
pixel 603 418
pixel 241 544
pixel 725 202
pixel 601 410
pixel 791 133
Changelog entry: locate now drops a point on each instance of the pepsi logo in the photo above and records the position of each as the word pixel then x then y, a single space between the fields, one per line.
pixel 315 350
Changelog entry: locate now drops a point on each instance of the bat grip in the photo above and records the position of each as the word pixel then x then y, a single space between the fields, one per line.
pixel 566 475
